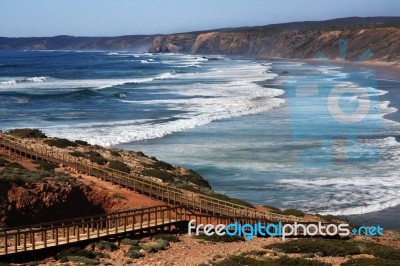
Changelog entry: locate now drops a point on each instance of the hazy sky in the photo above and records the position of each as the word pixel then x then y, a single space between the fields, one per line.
pixel 20 18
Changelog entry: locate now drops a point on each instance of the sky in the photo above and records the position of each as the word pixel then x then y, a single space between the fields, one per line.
pixel 32 18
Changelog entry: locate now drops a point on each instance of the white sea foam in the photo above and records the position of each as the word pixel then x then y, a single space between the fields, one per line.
pixel 52 85
pixel 203 103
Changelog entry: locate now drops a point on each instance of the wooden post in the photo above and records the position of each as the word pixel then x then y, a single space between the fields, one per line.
pixel 5 243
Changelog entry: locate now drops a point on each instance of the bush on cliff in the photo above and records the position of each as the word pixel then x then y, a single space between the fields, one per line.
pixel 27 133
pixel 60 143
pixel 119 166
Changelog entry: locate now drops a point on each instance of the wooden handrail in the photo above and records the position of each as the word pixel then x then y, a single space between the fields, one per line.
pixel 169 194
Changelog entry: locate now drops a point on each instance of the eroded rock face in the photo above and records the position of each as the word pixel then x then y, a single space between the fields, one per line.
pixel 383 42
pixel 48 201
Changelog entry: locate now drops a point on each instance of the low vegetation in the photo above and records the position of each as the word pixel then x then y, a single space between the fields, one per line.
pixel 119 166
pixel 370 262
pixel 106 245
pixel 16 173
pixel 43 165
pixel 243 259
pixel 76 254
pixel 82 142
pixel 163 175
pixel 325 247
pixel 115 153
pixel 27 133
pixel 60 143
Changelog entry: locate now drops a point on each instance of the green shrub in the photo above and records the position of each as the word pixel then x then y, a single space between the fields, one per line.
pixel 81 142
pixel 153 158
pixel 163 165
pixel 328 247
pixel 15 165
pixel 161 244
pixel 115 153
pixel 3 162
pixel 134 254
pixel 254 253
pixel 168 237
pixel 100 160
pixel 229 199
pixel 217 256
pixel 216 238
pixel 106 245
pixel 119 166
pixel 370 262
pixel 60 143
pixel 381 251
pixel 77 154
pixel 75 252
pixel 27 133
pixel 84 260
pixel 294 212
pixel 141 154
pixel 163 175
pixel 196 179
pixel 131 242
pixel 273 209
pixel 46 165
pixel 243 260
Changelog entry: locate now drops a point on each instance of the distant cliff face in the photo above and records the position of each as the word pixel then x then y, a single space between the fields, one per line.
pixel 135 43
pixel 383 42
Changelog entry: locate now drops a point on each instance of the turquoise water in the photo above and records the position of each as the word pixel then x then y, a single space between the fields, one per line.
pixel 232 120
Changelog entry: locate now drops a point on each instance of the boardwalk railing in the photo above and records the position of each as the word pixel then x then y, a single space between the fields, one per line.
pixel 168 194
pixel 46 235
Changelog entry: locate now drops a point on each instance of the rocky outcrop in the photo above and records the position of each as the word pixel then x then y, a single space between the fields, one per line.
pixel 383 42
pixel 40 202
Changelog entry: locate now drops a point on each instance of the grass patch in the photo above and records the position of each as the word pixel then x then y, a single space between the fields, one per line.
pixel 14 165
pixel 100 160
pixel 27 133
pixel 216 238
pixel 134 254
pixel 130 242
pixel 77 154
pixel 163 165
pixel 60 143
pixel 196 179
pixel 119 166
pixel 254 253
pixel 161 244
pixel 381 251
pixel 294 212
pixel 22 176
pixel 82 142
pixel 75 252
pixel 84 260
pixel 326 247
pixel 232 200
pixel 243 260
pixel 43 165
pixel 106 245
pixel 163 175
pixel 370 262
pixel 115 153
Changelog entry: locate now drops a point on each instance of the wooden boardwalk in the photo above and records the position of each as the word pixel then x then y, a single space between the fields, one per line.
pixel 59 233
pixel 188 206
pixel 169 194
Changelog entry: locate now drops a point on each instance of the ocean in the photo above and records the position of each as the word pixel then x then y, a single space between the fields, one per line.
pixel 236 121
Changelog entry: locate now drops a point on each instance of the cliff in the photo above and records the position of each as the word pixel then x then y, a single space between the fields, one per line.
pixel 292 40
pixel 137 43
